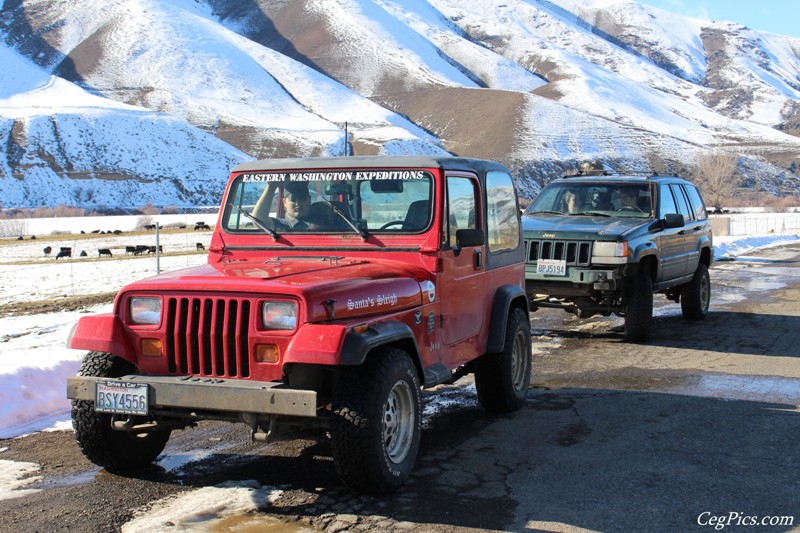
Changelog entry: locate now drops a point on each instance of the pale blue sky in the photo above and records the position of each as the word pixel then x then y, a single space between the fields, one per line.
pixel 776 16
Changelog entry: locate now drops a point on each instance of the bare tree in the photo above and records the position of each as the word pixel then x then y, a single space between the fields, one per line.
pixel 715 175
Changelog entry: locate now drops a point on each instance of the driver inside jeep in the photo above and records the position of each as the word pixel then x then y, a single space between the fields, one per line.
pixel 297 206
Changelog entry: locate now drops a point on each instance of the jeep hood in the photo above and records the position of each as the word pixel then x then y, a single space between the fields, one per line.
pixel 331 287
pixel 549 226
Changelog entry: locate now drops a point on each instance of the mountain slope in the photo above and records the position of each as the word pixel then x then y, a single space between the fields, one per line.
pixel 539 85
pixel 61 145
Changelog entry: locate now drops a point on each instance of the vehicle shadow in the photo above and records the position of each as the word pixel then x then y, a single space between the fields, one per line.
pixel 721 331
pixel 600 460
pixel 595 459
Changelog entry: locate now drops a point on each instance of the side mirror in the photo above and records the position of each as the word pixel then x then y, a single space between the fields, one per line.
pixel 469 237
pixel 673 220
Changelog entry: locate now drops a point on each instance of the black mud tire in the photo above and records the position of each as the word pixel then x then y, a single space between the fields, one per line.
pixel 377 422
pixel 696 295
pixel 638 307
pixel 117 451
pixel 502 379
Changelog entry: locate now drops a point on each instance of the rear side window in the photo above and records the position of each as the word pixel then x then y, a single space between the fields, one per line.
pixel 696 202
pixel 502 213
pixel 683 204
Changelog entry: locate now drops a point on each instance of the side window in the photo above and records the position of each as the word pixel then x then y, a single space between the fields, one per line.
pixel 683 204
pixel 460 208
pixel 501 213
pixel 697 202
pixel 666 201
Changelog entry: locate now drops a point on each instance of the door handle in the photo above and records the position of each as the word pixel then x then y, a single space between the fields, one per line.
pixel 478 259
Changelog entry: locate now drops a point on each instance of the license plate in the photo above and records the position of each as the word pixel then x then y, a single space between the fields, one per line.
pixel 552 267
pixel 122 398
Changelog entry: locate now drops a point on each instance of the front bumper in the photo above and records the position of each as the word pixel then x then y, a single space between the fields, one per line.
pixel 599 280
pixel 211 394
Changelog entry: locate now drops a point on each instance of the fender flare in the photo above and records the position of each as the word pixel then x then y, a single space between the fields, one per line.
pixel 356 346
pixel 506 297
pixel 101 333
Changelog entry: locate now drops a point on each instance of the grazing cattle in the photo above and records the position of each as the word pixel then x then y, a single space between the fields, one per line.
pixel 149 226
pixel 95 231
pixel 65 251
pixel 201 225
pixel 200 246
pixel 83 232
pixel 47 250
pixel 130 250
pixel 83 253
pixel 152 249
pixel 140 249
pixel 103 252
pixel 33 237
pixel 20 238
pixel 117 232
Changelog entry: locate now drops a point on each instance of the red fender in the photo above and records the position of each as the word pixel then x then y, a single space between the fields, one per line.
pixel 101 333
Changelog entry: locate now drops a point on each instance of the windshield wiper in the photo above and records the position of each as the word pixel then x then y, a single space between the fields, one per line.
pixel 258 223
pixel 592 214
pixel 361 231
pixel 547 212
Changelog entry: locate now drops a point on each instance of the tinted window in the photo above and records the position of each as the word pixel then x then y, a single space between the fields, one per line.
pixel 683 204
pixel 697 202
pixel 501 213
pixel 666 201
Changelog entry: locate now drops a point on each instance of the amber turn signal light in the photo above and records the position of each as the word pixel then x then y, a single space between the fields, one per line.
pixel 151 347
pixel 266 353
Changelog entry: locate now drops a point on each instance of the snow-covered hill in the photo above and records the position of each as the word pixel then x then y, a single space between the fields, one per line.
pixel 123 102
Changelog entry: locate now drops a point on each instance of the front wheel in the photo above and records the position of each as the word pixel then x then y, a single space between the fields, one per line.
pixel 377 422
pixel 638 307
pixel 502 379
pixel 102 445
pixel 696 295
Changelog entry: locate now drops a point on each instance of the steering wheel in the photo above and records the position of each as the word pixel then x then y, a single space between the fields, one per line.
pixel 392 223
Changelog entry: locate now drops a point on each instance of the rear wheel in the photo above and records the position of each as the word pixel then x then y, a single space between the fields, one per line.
pixel 377 422
pixel 638 307
pixel 696 295
pixel 502 379
pixel 102 445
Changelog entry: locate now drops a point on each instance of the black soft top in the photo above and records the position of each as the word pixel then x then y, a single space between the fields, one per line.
pixel 479 166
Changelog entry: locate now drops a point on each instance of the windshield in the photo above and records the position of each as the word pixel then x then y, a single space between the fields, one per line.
pixel 379 201
pixel 602 199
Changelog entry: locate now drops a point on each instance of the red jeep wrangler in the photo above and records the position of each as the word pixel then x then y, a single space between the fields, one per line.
pixel 335 288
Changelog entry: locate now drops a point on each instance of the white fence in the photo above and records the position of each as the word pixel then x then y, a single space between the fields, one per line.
pixel 758 223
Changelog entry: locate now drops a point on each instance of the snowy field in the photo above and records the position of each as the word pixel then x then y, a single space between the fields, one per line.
pixel 34 360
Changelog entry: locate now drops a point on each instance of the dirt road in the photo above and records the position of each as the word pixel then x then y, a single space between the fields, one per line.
pixel 697 427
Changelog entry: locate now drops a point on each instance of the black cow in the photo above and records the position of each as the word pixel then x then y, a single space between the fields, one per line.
pixel 152 249
pixel 140 249
pixel 65 251
pixel 83 253
pixel 47 250
pixel 199 246
pixel 103 252
pixel 130 250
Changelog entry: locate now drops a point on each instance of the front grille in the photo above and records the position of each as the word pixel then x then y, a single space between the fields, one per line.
pixel 576 253
pixel 208 336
